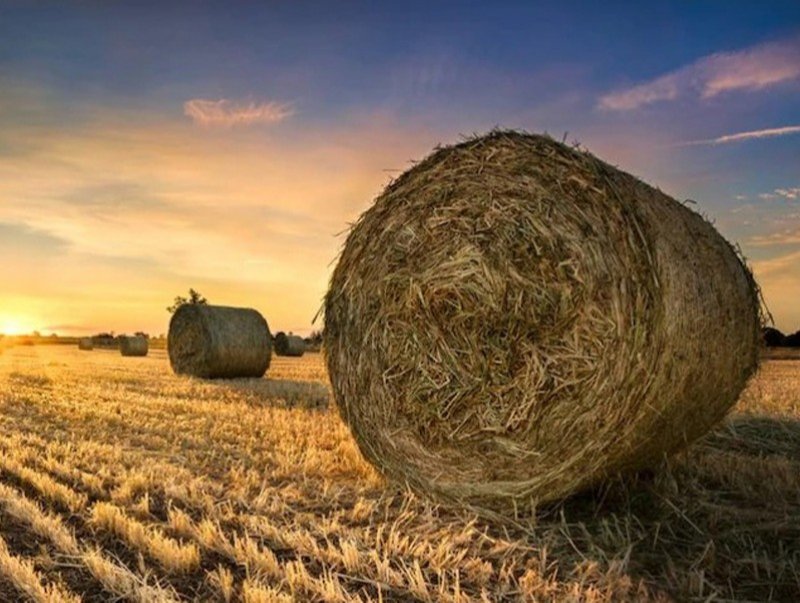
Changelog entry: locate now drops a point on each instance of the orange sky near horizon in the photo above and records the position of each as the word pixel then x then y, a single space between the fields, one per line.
pixel 118 219
pixel 121 215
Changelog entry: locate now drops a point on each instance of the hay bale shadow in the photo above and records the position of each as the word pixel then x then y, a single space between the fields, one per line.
pixel 286 393
pixel 718 522
pixel 758 436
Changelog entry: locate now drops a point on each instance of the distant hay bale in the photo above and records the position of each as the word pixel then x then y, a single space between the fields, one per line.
pixel 218 342
pixel 289 345
pixel 86 344
pixel 515 320
pixel 133 346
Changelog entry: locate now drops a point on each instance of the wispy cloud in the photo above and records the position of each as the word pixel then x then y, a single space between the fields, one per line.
pixel 788 222
pixel 21 239
pixel 783 263
pixel 790 194
pixel 749 135
pixel 225 112
pixel 752 68
pixel 785 237
pixel 664 88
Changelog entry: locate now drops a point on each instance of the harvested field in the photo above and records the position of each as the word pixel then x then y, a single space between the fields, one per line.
pixel 120 480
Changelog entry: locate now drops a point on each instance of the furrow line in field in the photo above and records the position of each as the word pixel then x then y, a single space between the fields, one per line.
pixel 57 493
pixel 111 482
pixel 150 541
pixel 297 560
pixel 117 579
pixel 23 575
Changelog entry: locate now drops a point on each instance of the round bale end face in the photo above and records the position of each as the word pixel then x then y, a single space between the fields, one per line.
pixel 515 320
pixel 189 343
pixel 214 342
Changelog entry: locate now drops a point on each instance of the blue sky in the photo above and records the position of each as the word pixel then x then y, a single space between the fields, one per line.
pixel 145 149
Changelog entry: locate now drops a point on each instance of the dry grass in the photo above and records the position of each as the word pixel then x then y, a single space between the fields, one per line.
pixel 119 480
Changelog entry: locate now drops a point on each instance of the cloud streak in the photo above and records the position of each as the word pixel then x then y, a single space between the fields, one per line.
pixel 749 135
pixel 749 69
pixel 227 113
pixel 787 237
pixel 776 265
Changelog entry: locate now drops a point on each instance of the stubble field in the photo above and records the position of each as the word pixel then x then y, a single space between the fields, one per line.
pixel 121 481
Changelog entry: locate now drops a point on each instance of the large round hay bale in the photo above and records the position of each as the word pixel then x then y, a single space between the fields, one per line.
pixel 514 320
pixel 133 346
pixel 218 342
pixel 289 345
pixel 86 344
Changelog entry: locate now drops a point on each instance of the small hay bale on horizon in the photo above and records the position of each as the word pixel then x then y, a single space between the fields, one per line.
pixel 289 345
pixel 514 321
pixel 86 344
pixel 214 342
pixel 133 346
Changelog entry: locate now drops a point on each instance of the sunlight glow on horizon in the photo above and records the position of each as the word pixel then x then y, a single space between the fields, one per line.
pixel 16 325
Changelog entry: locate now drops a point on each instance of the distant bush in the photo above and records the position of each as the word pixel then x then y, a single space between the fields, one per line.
pixel 195 297
pixel 773 338
pixel 792 341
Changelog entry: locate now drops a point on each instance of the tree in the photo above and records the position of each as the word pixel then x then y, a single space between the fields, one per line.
pixel 194 298
pixel 315 338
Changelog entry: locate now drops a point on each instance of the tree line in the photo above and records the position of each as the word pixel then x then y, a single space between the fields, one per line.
pixel 773 338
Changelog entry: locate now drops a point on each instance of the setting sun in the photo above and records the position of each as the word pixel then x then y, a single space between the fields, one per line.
pixel 14 325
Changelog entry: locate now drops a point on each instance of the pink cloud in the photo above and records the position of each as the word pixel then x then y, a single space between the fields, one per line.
pixel 664 88
pixel 226 112
pixel 753 68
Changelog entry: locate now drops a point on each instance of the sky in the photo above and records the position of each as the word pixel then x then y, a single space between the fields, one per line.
pixel 227 146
